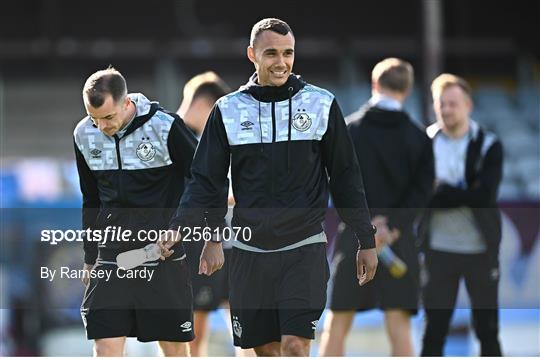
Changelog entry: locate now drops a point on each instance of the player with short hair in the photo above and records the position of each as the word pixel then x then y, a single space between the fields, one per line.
pixel 286 143
pixel 463 225
pixel 132 158
pixel 397 162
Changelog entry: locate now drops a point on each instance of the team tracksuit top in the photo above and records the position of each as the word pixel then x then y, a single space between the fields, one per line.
pixel 286 147
pixel 134 181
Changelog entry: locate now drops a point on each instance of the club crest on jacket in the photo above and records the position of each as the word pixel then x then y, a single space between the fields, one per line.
pixel 301 121
pixel 145 150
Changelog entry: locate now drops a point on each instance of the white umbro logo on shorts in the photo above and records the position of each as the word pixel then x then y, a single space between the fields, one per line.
pixel 314 324
pixel 186 326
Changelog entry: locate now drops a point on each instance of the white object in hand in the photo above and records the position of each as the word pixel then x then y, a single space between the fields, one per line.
pixel 133 258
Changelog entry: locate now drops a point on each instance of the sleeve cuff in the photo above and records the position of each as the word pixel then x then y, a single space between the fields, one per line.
pixel 366 241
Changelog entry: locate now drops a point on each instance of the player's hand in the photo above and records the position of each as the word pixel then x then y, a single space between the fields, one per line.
pixel 384 236
pixel 87 268
pixel 166 241
pixel 366 265
pixel 212 258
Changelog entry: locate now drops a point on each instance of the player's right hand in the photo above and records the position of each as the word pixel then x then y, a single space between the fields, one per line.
pixel 87 268
pixel 166 241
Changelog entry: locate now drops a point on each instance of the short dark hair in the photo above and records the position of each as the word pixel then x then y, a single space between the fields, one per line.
pixel 208 85
pixel 269 24
pixel 393 74
pixel 102 83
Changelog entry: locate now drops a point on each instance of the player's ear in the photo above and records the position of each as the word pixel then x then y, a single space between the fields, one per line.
pixel 251 53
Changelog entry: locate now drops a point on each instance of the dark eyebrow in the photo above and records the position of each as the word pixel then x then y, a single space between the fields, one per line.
pixel 108 116
pixel 273 50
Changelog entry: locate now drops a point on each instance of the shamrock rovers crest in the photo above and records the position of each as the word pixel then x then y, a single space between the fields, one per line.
pixel 145 150
pixel 301 121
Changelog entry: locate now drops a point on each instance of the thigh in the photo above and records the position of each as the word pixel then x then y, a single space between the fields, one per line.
pixel 253 279
pixel 207 290
pixel 482 282
pixel 107 309
pixel 172 325
pixel 346 294
pixel 444 272
pixel 168 287
pixel 252 282
pixel 174 349
pixel 105 323
pixel 303 278
pixel 302 290
pixel 164 304
pixel 397 293
pixel 255 327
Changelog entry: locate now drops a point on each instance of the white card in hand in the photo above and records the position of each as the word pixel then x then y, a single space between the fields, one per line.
pixel 133 258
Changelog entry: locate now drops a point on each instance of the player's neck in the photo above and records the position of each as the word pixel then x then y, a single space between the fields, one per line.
pixel 130 115
pixel 457 131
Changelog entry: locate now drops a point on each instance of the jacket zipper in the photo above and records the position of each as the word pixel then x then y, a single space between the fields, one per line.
pixel 119 158
pixel 273 141
pixel 273 122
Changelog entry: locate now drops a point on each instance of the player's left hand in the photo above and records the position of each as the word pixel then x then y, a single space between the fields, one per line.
pixel 212 258
pixel 166 241
pixel 366 265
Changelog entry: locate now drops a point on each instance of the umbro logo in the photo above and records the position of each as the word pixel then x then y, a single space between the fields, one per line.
pixel 314 324
pixel 96 153
pixel 247 125
pixel 186 326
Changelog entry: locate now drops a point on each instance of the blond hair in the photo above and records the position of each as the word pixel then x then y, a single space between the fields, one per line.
pixel 393 74
pixel 447 80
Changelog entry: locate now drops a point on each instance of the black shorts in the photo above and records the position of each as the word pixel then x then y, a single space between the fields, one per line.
pixel 276 294
pixel 208 291
pixel 152 309
pixel 384 291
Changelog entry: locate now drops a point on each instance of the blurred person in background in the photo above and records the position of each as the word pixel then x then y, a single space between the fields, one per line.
pixel 463 225
pixel 283 138
pixel 209 292
pixel 396 158
pixel 132 158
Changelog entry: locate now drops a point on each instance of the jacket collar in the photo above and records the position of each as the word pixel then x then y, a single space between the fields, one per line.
pixel 272 93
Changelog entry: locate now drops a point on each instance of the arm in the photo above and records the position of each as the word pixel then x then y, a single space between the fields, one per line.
pixel 420 190
pixel 91 204
pixel 205 197
pixel 483 191
pixel 346 183
pixel 181 143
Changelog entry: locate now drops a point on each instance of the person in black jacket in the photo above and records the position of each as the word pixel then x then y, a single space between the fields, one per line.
pixel 397 161
pixel 463 225
pixel 209 292
pixel 286 144
pixel 132 158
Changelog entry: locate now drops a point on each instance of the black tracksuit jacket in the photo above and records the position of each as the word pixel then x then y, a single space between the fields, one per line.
pixel 396 157
pixel 483 174
pixel 286 146
pixel 134 182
